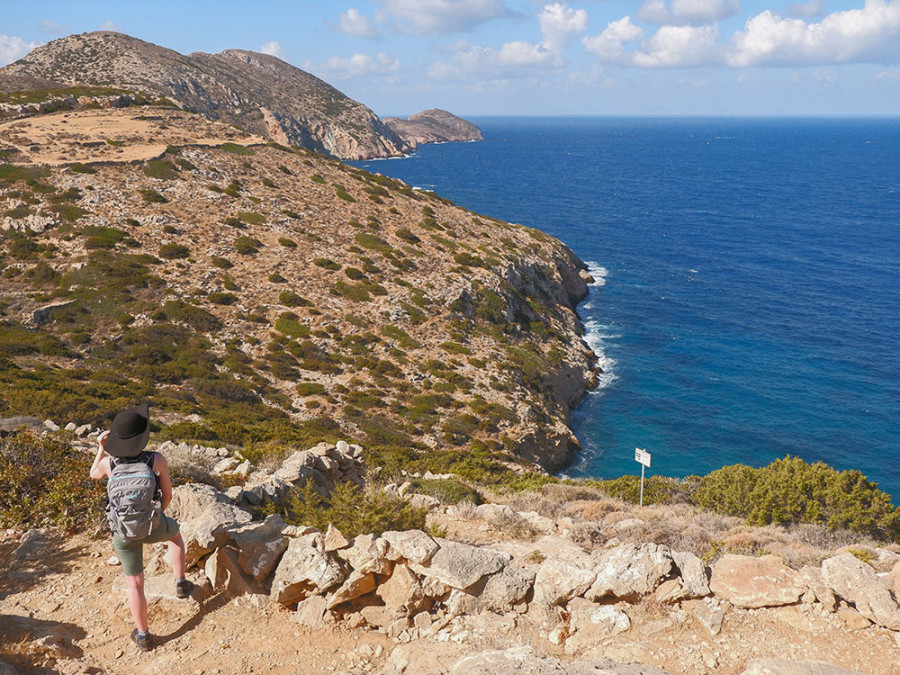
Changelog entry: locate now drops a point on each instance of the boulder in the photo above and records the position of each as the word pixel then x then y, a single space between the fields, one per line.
pixel 750 583
pixel 366 554
pixel 334 539
pixel 461 565
pixel 811 577
pixel 708 612
pixel 225 573
pixel 558 581
pixel 694 578
pixel 857 583
pixel 629 570
pixel 305 569
pixel 205 516
pixel 260 545
pixel 507 588
pixel 311 611
pixel 357 584
pixel 402 593
pixel 590 624
pixel 412 545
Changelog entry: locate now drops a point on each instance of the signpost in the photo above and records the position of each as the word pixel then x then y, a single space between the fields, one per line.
pixel 643 457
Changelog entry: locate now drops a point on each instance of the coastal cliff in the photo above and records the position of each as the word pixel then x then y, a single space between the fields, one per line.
pixel 259 293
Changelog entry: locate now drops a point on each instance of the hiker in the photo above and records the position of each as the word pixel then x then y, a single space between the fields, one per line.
pixel 146 493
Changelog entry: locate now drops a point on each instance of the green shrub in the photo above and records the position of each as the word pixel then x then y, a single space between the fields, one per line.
pixel 152 196
pixel 401 336
pixel 791 491
pixel 353 292
pixel 68 212
pixel 195 317
pixel 276 278
pixel 222 298
pixel 247 245
pixel 455 348
pixel 343 194
pixel 372 242
pixel 103 237
pixel 310 389
pixel 236 149
pixel 291 299
pixel 657 489
pixel 406 234
pixel 45 483
pixel 326 264
pixel 448 490
pixel 78 167
pixel 174 251
pixel 221 263
pixel 316 178
pixel 352 510
pixel 252 217
pixel 161 169
pixel 287 243
pixel 289 324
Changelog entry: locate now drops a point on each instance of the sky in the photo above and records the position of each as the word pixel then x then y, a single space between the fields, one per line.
pixel 526 57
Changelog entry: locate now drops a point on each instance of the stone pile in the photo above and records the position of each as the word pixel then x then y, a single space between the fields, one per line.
pixel 411 585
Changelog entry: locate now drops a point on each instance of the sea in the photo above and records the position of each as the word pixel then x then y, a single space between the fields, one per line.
pixel 746 302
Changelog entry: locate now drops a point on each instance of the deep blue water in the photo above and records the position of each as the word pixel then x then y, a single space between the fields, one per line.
pixel 749 296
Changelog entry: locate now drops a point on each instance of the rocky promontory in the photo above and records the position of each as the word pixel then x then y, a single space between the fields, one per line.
pixel 433 126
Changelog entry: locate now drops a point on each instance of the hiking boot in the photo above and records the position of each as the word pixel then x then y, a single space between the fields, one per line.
pixel 142 643
pixel 183 588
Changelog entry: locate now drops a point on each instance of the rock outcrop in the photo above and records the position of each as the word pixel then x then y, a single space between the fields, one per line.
pixel 433 126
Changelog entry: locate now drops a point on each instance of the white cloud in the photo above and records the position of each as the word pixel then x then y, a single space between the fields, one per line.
pixel 272 48
pixel 525 54
pixel 13 48
pixel 890 75
pixel 687 12
pixel 560 25
pixel 356 66
pixel 679 46
pixel 807 10
pixel 111 25
pixel 354 23
pixel 610 44
pixel 870 34
pixel 442 16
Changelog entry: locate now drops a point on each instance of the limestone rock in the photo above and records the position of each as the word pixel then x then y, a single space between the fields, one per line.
pixel 412 545
pixel 558 581
pixel 402 593
pixel 590 624
pixel 260 545
pixel 856 582
pixel 357 584
pixel 523 661
pixel 709 613
pixel 311 611
pixel 334 539
pixel 205 516
pixel 507 588
pixel 749 582
pixel 305 569
pixel 695 581
pixel 366 554
pixel 629 570
pixel 812 579
pixel 461 565
pixel 225 573
pixel 782 666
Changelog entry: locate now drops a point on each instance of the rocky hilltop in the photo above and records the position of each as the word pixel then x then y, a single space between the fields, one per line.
pixel 257 92
pixel 251 291
pixel 434 126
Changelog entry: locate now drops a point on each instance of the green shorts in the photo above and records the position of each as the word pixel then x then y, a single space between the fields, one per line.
pixel 131 553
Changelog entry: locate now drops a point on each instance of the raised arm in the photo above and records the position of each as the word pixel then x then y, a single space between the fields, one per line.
pixel 100 467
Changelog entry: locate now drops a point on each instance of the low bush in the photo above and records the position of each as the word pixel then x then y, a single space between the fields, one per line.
pixel 161 169
pixel 291 299
pixel 448 490
pixel 247 245
pixel 174 251
pixel 791 491
pixel 236 149
pixel 152 196
pixel 222 298
pixel 46 484
pixel 352 510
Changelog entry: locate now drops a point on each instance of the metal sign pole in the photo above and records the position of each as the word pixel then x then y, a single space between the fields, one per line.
pixel 642 484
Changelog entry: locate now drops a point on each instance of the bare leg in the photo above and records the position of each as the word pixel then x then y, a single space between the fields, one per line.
pixel 137 602
pixel 176 555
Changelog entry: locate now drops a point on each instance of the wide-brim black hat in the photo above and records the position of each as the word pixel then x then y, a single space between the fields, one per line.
pixel 130 432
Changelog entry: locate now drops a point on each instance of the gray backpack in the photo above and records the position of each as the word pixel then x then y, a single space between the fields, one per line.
pixel 134 506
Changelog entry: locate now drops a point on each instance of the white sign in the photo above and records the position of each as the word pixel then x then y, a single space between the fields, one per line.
pixel 642 456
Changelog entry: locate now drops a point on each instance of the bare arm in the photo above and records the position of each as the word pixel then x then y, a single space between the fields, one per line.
pixel 161 468
pixel 100 467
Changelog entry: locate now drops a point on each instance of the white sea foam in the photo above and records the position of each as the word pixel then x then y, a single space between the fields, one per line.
pixel 598 271
pixel 598 335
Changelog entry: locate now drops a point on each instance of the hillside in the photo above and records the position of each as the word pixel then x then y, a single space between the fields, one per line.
pixel 252 291
pixel 433 126
pixel 256 92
